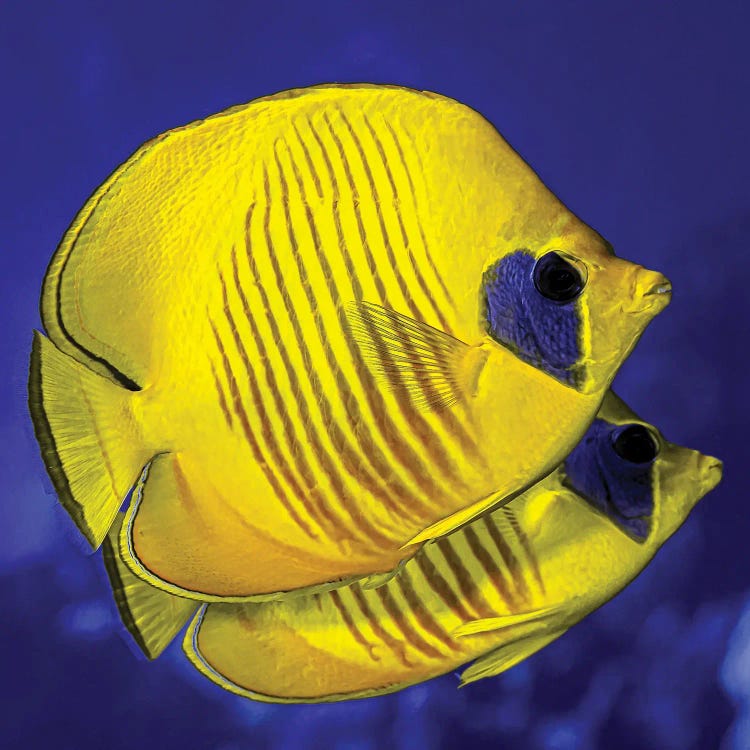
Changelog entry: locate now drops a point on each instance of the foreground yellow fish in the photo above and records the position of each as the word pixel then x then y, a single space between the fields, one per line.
pixel 496 591
pixel 330 323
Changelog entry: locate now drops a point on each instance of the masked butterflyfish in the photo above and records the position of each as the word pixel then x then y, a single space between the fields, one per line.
pixel 495 591
pixel 322 328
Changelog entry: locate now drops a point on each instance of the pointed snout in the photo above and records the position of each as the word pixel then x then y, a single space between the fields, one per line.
pixel 652 291
pixel 711 470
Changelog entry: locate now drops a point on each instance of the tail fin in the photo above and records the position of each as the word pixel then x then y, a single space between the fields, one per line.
pixel 90 443
pixel 152 616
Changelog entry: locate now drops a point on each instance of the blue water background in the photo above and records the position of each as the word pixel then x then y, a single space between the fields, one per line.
pixel 637 116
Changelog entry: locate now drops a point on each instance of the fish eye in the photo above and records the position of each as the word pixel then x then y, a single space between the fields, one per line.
pixel 635 444
pixel 556 278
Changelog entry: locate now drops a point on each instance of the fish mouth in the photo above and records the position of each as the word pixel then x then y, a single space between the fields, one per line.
pixel 712 470
pixel 661 287
pixel 653 292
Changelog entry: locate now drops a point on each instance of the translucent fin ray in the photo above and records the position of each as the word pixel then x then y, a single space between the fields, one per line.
pixel 89 440
pixel 405 354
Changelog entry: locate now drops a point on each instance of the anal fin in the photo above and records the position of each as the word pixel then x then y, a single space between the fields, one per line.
pixel 152 616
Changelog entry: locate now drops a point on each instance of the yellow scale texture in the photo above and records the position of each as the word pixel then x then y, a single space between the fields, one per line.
pixel 529 571
pixel 214 273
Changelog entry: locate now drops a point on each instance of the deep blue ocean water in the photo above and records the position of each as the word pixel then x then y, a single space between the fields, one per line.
pixel 636 115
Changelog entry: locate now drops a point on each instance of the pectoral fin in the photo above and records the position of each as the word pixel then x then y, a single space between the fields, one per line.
pixel 434 368
pixel 537 617
pixel 531 631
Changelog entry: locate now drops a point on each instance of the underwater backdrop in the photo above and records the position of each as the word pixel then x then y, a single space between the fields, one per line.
pixel 637 116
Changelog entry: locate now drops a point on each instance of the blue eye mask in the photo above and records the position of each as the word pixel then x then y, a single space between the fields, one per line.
pixel 541 331
pixel 611 469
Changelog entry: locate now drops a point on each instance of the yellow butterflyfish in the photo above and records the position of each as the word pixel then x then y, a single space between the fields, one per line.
pixel 495 591
pixel 331 324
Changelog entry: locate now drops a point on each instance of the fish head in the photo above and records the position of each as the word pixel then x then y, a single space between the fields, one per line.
pixel 569 307
pixel 625 469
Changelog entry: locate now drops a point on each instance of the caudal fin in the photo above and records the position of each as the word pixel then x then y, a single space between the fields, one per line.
pixel 152 616
pixel 90 443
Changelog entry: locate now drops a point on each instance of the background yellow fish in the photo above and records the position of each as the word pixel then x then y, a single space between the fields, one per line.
pixel 200 322
pixel 498 590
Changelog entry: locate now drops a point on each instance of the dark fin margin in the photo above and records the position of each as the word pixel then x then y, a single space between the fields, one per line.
pixel 110 555
pixel 120 377
pixel 50 454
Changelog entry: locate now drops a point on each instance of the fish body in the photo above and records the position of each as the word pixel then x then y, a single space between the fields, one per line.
pixel 199 315
pixel 496 591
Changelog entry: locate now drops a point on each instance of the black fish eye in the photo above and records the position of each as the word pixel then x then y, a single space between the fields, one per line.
pixel 557 279
pixel 636 444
